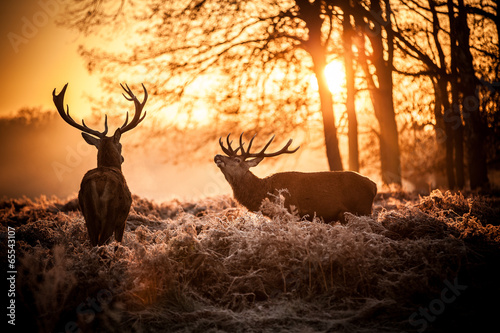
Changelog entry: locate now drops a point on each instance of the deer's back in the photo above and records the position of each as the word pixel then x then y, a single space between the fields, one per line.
pixel 327 194
pixel 104 197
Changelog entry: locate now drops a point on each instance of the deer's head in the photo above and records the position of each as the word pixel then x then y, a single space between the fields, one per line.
pixel 109 148
pixel 237 162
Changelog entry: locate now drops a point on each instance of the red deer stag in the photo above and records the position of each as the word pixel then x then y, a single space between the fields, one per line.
pixel 326 194
pixel 104 196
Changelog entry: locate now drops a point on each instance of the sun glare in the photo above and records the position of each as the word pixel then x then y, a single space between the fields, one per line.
pixel 335 76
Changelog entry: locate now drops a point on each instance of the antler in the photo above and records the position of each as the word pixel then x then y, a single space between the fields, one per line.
pixel 59 103
pixel 247 154
pixel 138 108
pixel 229 151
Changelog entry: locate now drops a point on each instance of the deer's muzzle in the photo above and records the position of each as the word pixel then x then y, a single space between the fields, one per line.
pixel 218 161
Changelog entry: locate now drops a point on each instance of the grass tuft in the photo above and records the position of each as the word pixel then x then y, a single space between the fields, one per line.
pixel 213 266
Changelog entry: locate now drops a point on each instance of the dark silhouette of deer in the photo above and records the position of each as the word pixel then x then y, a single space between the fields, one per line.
pixel 104 196
pixel 327 194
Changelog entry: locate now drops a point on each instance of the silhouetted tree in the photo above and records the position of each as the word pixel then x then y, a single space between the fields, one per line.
pixel 373 20
pixel 441 41
pixel 436 62
pixel 256 57
pixel 349 36
pixel 467 88
pixel 250 44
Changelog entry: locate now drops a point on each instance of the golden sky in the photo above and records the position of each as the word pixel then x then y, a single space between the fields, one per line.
pixel 38 56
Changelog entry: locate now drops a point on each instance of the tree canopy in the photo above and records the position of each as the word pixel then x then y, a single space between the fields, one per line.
pixel 250 63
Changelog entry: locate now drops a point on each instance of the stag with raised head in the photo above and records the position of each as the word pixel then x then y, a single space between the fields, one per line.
pixel 327 195
pixel 104 196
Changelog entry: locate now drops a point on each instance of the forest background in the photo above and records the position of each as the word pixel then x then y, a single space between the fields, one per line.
pixel 405 92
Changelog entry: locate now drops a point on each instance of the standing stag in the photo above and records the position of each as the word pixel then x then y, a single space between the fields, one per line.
pixel 104 196
pixel 327 194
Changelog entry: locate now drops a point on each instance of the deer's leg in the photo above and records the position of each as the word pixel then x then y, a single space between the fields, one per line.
pixel 124 210
pixel 104 238
pixel 93 234
pixel 120 226
pixel 92 222
pixel 119 232
pixel 107 229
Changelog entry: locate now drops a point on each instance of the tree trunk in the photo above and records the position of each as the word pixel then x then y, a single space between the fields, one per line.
pixel 351 94
pixel 457 130
pixel 382 96
pixel 453 115
pixel 311 14
pixel 442 105
pixel 330 129
pixel 446 139
pixel 388 136
pixel 475 130
pixel 382 100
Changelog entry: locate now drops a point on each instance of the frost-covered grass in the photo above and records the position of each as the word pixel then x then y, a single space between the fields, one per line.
pixel 212 266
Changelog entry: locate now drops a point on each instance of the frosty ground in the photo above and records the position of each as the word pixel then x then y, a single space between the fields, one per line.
pixel 420 263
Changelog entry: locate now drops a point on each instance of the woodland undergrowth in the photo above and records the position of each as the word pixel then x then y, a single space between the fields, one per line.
pixel 212 266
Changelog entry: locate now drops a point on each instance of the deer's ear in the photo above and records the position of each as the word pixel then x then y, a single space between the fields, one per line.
pixel 91 140
pixel 117 135
pixel 254 162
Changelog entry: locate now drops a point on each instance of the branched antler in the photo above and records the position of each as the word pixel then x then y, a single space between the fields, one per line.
pixel 229 151
pixel 59 103
pixel 138 108
pixel 245 154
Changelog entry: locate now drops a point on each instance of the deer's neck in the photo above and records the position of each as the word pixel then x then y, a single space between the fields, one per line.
pixel 250 190
pixel 107 156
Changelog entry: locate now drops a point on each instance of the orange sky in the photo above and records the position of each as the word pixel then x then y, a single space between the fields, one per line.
pixel 36 61
pixel 46 59
pixel 49 59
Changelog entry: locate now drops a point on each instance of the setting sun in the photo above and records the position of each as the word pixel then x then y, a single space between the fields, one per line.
pixel 335 76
